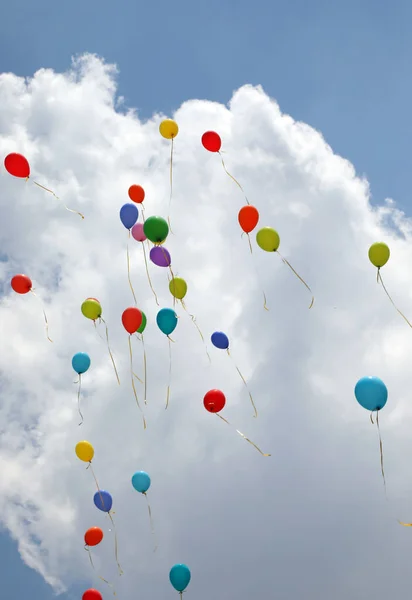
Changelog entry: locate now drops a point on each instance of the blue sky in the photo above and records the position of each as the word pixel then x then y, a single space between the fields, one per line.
pixel 342 67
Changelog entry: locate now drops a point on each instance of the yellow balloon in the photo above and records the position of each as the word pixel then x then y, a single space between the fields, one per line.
pixel 178 288
pixel 168 129
pixel 84 451
pixel 379 254
pixel 91 309
pixel 268 239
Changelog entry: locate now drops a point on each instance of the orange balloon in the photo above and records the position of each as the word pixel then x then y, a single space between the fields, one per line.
pixel 93 536
pixel 136 193
pixel 248 218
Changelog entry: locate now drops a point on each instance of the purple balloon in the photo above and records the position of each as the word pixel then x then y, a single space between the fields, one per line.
pixel 160 256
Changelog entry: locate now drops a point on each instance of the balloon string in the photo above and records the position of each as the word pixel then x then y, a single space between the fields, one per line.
pixel 197 327
pixel 171 185
pixel 128 271
pixel 97 331
pixel 57 198
pixel 116 548
pixel 148 276
pixel 145 369
pixel 78 398
pixel 243 436
pixel 257 274
pixel 250 243
pixel 133 385
pixel 380 280
pixel 151 521
pixel 231 176
pixel 299 277
pixel 99 576
pixel 170 372
pixel 45 317
pixel 381 452
pixel 110 352
pixel 246 385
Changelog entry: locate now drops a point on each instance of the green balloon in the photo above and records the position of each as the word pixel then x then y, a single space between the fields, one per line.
pixel 156 229
pixel 144 323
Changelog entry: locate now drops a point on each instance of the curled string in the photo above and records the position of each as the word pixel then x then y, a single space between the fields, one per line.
pixel 132 377
pixel 98 332
pixel 299 277
pixel 57 198
pixel 243 436
pixel 110 352
pixel 170 371
pixel 128 271
pixel 256 272
pixel 99 576
pixel 380 280
pixel 171 185
pixel 78 398
pixel 197 327
pixel 116 548
pixel 380 448
pixel 404 524
pixel 45 317
pixel 144 369
pixel 244 381
pixel 231 177
pixel 151 521
pixel 148 276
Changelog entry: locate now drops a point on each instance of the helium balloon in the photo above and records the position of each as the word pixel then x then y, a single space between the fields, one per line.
pixel 160 256
pixel 17 165
pixel 93 536
pixel 136 193
pixel 143 324
pixel 129 214
pixel 268 239
pixel 141 481
pixel 220 340
pixel 92 594
pixel 156 229
pixel 138 233
pixel 168 129
pixel 214 401
pixel 91 309
pixel 379 254
pixel 81 362
pixel 180 577
pixel 132 319
pixel 166 320
pixel 371 393
pixel 248 218
pixel 211 141
pixel 103 501
pixel 178 288
pixel 21 284
pixel 85 451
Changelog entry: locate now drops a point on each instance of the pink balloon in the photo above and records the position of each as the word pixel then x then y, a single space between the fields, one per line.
pixel 138 233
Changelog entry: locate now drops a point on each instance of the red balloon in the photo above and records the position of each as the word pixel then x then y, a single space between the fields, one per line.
pixel 17 165
pixel 214 401
pixel 211 141
pixel 93 536
pixel 132 318
pixel 21 284
pixel 92 595
pixel 136 193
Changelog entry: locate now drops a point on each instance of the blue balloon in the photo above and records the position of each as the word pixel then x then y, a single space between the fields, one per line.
pixel 220 340
pixel 371 393
pixel 81 362
pixel 166 320
pixel 129 214
pixel 141 481
pixel 180 577
pixel 103 501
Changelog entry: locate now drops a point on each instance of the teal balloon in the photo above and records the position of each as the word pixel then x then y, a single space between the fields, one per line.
pixel 166 320
pixel 141 481
pixel 180 577
pixel 371 393
pixel 81 362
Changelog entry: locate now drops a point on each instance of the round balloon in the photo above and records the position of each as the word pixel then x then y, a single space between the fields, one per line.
pixel 178 288
pixel 136 193
pixel 248 218
pixel 211 141
pixel 156 229
pixel 93 536
pixel 166 320
pixel 132 319
pixel 81 362
pixel 160 256
pixel 17 165
pixel 220 340
pixel 379 254
pixel 91 309
pixel 144 323
pixel 92 594
pixel 103 501
pixel 371 393
pixel 21 284
pixel 268 239
pixel 129 214
pixel 180 577
pixel 168 129
pixel 141 481
pixel 214 401
pixel 85 451
pixel 138 233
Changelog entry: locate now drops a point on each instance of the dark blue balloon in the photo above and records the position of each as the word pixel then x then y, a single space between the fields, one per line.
pixel 103 501
pixel 220 340
pixel 129 214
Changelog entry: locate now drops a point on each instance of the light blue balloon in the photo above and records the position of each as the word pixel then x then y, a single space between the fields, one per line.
pixel 141 481
pixel 180 577
pixel 166 320
pixel 81 362
pixel 371 393
pixel 129 214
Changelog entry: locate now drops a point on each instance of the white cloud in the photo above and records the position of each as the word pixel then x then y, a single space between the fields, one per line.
pixel 312 519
